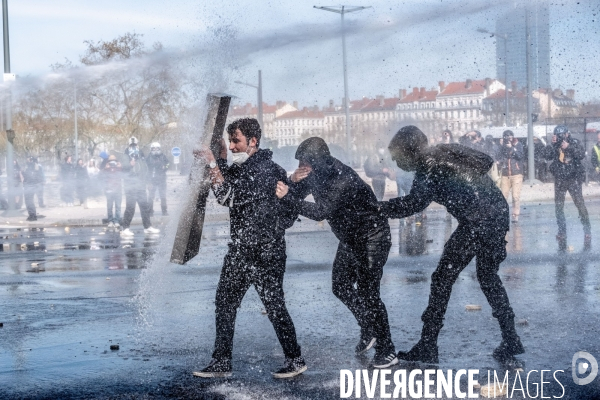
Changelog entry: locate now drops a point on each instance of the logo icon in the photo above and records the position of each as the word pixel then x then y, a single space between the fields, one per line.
pixel 590 365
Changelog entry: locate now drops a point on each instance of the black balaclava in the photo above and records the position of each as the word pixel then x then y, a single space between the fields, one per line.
pixel 315 152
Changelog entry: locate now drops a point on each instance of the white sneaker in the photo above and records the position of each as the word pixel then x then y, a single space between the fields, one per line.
pixel 126 232
pixel 110 225
pixel 151 230
pixel 116 225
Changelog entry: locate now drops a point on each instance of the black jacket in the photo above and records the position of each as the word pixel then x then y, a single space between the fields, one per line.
pixel 256 214
pixel 32 175
pixel 342 198
pixel 157 166
pixel 134 177
pixel 571 167
pixel 455 177
pixel 511 159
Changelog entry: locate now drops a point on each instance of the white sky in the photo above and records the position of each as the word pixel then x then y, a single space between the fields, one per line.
pixel 394 45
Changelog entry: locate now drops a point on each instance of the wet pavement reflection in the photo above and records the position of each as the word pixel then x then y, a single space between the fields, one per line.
pixel 67 295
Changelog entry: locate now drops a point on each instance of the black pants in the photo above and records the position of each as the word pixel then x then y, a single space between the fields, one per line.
pixel 378 188
pixel 262 266
pixel 356 278
pixel 161 186
pixel 573 186
pixel 488 245
pixel 29 192
pixel 139 196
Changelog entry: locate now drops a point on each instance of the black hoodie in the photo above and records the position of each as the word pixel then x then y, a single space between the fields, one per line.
pixel 342 198
pixel 455 177
pixel 256 214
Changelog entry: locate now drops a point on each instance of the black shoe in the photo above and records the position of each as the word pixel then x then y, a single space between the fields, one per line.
pixel 291 368
pixel 384 359
pixel 31 218
pixel 508 349
pixel 421 352
pixel 216 369
pixel 365 343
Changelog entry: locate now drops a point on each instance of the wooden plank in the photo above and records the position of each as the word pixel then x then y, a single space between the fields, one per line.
pixel 191 220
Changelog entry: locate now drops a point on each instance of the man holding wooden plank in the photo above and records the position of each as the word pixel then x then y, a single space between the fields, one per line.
pixel 257 251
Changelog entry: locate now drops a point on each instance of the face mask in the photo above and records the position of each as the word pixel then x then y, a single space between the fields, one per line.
pixel 381 151
pixel 155 152
pixel 240 158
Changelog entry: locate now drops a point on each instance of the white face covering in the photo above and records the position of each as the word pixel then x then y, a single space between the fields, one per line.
pixel 381 151
pixel 240 158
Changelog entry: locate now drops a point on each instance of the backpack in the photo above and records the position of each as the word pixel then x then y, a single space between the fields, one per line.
pixel 454 159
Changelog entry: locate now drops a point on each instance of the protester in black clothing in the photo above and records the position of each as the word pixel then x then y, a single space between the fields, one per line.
pixel 456 177
pixel 67 176
pixel 157 177
pixel 256 253
pixel 32 176
pixel 349 205
pixel 82 180
pixel 135 189
pixel 567 167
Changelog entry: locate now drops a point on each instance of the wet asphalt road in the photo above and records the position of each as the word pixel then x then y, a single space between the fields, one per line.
pixel 66 296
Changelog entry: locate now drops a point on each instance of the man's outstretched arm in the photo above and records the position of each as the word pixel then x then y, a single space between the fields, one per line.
pixel 417 200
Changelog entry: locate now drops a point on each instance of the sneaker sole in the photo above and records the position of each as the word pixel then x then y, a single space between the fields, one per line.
pixel 389 364
pixel 369 347
pixel 290 374
pixel 201 374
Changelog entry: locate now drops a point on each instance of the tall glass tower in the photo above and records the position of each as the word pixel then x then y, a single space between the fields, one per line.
pixel 512 24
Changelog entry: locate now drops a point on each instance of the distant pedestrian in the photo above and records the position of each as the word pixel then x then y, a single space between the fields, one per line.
pixel 82 180
pixel 17 186
pixel 112 177
pixel 595 159
pixel 67 176
pixel 39 192
pixel 510 158
pixel 32 176
pixel 158 164
pixel 3 201
pixel 135 177
pixel 567 156
pixel 378 168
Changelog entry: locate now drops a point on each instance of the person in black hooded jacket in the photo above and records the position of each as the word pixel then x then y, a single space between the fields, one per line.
pixel 456 177
pixel 567 154
pixel 256 253
pixel 350 207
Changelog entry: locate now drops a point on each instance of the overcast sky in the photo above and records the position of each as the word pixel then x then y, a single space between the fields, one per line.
pixel 393 45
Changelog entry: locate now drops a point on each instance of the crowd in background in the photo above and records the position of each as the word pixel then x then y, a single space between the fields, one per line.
pixel 111 174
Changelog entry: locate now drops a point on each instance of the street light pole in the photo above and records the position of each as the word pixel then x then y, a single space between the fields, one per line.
pixel 342 10
pixel 76 133
pixel 530 147
pixel 10 134
pixel 259 95
pixel 505 38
